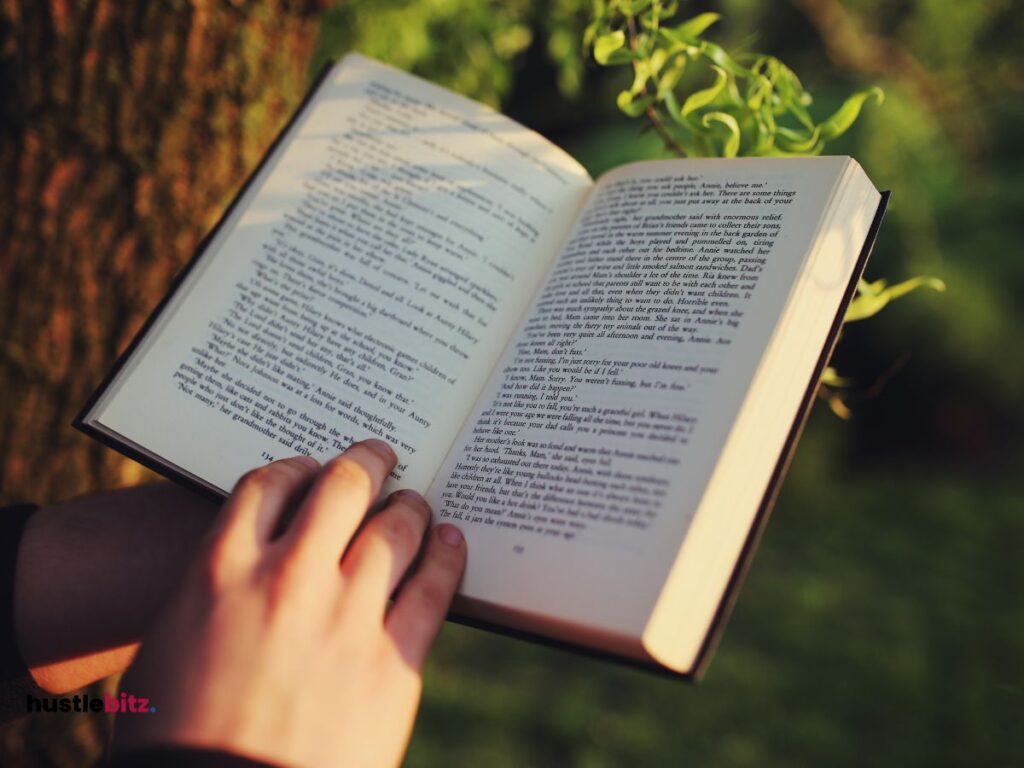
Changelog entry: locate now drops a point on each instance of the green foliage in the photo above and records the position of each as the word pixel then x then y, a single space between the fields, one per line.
pixel 469 46
pixel 480 39
pixel 703 100
pixel 746 104
pixel 872 297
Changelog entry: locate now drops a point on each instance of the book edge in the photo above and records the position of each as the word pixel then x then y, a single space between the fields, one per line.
pixel 588 651
pixel 743 563
pixel 732 160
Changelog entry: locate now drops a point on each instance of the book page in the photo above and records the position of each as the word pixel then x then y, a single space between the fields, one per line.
pixel 364 286
pixel 576 477
pixel 762 436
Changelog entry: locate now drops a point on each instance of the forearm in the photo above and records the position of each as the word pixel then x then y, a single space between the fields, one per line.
pixel 92 572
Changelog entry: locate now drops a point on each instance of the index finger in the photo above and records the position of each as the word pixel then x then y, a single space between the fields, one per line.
pixel 338 501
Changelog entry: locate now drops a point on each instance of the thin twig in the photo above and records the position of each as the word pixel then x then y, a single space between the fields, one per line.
pixel 672 144
pixel 651 112
pixel 886 376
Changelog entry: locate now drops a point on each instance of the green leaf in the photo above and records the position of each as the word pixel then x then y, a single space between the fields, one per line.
pixel 831 378
pixel 838 406
pixel 670 77
pixel 634 7
pixel 766 66
pixel 641 74
pixel 609 50
pixel 657 60
pixel 792 98
pixel 672 107
pixel 863 307
pixel 718 55
pixel 799 111
pixel 702 98
pixel 796 142
pixel 923 281
pixel 652 18
pixel 843 118
pixel 872 289
pixel 670 42
pixel 759 89
pixel 732 92
pixel 732 144
pixel 768 118
pixel 765 134
pixel 695 27
pixel 871 302
pixel 633 107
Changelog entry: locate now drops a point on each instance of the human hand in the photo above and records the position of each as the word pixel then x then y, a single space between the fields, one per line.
pixel 284 648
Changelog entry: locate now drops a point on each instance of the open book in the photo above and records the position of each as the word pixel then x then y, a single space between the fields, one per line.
pixel 599 382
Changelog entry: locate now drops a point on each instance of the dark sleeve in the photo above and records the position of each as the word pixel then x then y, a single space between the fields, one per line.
pixel 183 757
pixel 15 681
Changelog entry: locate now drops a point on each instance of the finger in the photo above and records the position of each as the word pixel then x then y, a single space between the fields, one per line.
pixel 384 548
pixel 258 500
pixel 337 502
pixel 415 618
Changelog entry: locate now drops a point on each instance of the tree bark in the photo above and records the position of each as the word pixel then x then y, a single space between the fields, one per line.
pixel 125 128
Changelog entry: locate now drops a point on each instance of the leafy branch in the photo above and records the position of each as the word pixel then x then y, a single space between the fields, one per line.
pixel 704 101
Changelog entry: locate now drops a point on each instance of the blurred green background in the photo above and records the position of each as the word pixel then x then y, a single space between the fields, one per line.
pixel 882 622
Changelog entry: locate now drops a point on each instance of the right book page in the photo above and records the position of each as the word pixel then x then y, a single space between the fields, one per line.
pixel 585 463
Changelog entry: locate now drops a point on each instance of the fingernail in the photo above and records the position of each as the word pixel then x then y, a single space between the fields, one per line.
pixel 381 448
pixel 450 535
pixel 307 461
pixel 408 494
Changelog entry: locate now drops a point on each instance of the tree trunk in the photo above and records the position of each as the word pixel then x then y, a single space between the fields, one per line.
pixel 125 128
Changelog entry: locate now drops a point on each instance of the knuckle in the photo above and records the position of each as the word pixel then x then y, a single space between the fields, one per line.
pixel 414 504
pixel 346 471
pixel 431 598
pixel 396 529
pixel 386 537
pixel 259 479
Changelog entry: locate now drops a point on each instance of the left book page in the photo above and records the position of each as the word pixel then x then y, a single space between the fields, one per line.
pixel 363 285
